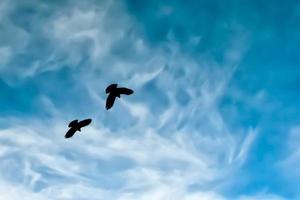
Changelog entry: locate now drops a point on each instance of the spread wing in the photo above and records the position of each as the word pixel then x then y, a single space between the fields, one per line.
pixel 84 122
pixel 70 133
pixel 126 91
pixel 110 101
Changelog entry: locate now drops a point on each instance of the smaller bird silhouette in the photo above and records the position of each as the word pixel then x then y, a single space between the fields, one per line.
pixel 114 92
pixel 76 126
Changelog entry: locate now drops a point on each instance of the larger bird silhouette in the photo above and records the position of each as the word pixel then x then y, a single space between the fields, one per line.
pixel 76 126
pixel 114 92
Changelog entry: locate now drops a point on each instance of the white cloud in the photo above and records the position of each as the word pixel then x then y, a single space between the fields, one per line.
pixel 245 146
pixel 163 167
pixel 289 165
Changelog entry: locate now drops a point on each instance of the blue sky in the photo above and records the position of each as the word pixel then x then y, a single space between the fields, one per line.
pixel 214 116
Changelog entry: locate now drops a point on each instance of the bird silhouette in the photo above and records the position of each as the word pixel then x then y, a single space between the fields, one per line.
pixel 76 126
pixel 114 92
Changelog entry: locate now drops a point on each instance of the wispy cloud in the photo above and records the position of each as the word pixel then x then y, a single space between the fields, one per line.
pixel 137 166
pixel 170 140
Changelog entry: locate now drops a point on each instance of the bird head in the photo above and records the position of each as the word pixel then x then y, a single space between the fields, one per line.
pixel 111 87
pixel 73 123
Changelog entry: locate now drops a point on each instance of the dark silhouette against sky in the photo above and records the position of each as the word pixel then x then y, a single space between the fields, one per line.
pixel 76 126
pixel 114 92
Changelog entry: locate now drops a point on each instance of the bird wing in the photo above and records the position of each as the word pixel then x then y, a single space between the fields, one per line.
pixel 84 122
pixel 126 91
pixel 70 133
pixel 110 101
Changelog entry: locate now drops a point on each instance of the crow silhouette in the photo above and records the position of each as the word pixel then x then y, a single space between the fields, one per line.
pixel 76 126
pixel 115 92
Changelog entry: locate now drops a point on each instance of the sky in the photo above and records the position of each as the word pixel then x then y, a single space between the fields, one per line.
pixel 215 114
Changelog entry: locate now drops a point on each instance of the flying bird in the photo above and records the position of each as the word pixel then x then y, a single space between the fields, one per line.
pixel 76 126
pixel 114 92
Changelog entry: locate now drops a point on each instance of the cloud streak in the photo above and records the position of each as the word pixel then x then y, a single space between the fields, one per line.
pixel 170 140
